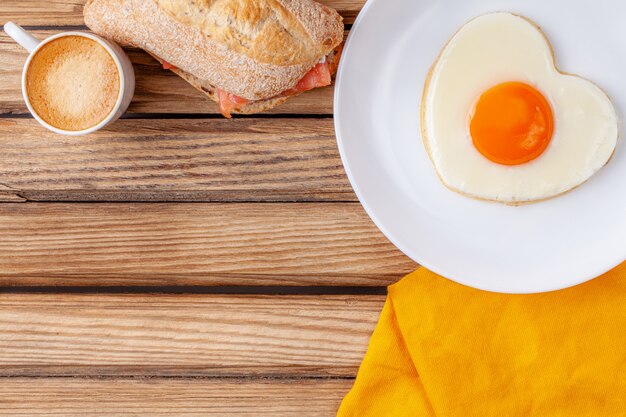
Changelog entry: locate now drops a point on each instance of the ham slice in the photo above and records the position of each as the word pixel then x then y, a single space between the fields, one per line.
pixel 167 65
pixel 319 76
pixel 229 102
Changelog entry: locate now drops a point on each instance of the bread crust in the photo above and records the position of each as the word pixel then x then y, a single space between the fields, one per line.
pixel 254 106
pixel 211 92
pixel 257 54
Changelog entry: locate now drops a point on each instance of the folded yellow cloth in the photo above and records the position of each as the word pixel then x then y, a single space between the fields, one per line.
pixel 442 349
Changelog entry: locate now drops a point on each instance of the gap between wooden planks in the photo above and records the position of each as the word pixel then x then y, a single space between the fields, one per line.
pixel 157 397
pixel 184 335
pixel 157 90
pixel 175 160
pixel 70 12
pixel 195 244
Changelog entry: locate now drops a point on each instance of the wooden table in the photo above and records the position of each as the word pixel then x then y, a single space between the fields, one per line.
pixel 179 263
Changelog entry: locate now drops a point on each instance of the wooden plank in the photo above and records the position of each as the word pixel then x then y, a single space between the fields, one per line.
pixel 176 160
pixel 8 195
pixel 194 244
pixel 184 335
pixel 157 90
pixel 70 397
pixel 70 12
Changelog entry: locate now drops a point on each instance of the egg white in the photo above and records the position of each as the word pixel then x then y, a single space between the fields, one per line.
pixel 498 48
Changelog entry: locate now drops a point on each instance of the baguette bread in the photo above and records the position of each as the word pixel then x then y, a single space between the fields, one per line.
pixel 253 106
pixel 210 91
pixel 254 49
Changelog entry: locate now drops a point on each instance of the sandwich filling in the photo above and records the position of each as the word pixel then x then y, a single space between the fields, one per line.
pixel 318 76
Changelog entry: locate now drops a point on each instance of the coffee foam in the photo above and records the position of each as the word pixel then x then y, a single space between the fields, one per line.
pixel 73 83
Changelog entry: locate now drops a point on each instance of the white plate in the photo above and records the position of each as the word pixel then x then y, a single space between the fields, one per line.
pixel 533 248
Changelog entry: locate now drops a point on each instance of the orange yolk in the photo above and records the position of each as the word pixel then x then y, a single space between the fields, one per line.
pixel 511 124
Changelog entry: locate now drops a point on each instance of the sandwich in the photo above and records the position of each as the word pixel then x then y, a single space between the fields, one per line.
pixel 247 55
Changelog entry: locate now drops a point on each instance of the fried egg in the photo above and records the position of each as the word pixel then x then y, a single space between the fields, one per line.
pixel 501 123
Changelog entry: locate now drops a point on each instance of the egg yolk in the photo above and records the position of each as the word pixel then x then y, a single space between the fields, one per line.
pixel 511 123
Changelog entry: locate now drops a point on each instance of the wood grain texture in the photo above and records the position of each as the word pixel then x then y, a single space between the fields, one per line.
pixel 75 354
pixel 68 397
pixel 157 90
pixel 175 160
pixel 183 335
pixel 70 12
pixel 194 244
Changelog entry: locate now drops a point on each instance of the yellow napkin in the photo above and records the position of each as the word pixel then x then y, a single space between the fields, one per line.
pixel 442 349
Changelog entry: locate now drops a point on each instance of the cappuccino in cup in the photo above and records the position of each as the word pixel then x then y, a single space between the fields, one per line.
pixel 72 83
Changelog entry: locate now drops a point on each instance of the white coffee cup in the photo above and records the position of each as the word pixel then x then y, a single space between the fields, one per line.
pixel 124 67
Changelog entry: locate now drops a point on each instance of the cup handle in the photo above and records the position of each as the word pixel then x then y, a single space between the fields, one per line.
pixel 19 35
